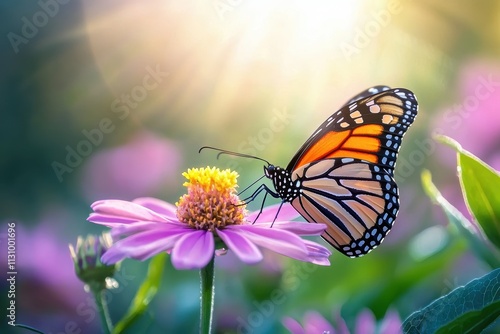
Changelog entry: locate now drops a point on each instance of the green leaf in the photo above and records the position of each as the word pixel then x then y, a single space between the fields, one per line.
pixel 462 224
pixel 144 294
pixel 380 297
pixel 29 328
pixel 480 186
pixel 468 309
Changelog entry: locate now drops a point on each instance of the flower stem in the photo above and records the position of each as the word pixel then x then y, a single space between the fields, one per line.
pixel 102 306
pixel 207 275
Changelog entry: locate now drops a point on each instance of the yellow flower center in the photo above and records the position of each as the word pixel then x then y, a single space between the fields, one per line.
pixel 211 201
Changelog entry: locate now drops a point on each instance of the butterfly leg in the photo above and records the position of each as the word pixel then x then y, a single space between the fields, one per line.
pixel 262 208
pixel 277 213
pixel 256 193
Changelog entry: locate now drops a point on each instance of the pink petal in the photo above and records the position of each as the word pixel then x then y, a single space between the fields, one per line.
pixel 341 325
pixel 391 323
pixel 279 241
pixel 317 254
pixel 136 227
pixel 299 228
pixel 365 323
pixel 141 246
pixel 316 323
pixel 241 246
pixel 293 325
pixel 124 209
pixel 268 214
pixel 193 250
pixel 109 220
pixel 157 205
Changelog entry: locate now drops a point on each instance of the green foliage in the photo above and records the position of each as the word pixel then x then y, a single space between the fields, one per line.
pixel 468 309
pixel 145 294
pixel 462 224
pixel 28 328
pixel 473 307
pixel 480 186
pixel 380 292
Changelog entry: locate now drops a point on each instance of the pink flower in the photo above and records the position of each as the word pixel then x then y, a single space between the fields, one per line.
pixel 473 119
pixel 365 324
pixel 207 220
pixel 143 165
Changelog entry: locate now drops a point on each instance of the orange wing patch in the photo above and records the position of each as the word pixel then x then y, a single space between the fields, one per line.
pixel 359 143
pixel 369 130
pixel 330 142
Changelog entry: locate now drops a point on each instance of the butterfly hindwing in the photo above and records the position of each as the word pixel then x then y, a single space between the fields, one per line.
pixel 370 128
pixel 357 200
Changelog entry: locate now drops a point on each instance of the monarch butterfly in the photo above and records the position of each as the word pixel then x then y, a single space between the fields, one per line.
pixel 343 175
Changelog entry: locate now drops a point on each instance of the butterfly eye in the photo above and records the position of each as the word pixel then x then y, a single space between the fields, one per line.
pixel 268 170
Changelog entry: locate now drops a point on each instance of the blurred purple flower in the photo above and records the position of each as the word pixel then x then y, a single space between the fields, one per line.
pixel 51 267
pixel 142 166
pixel 313 323
pixel 208 216
pixel 365 324
pixel 474 119
pixel 48 293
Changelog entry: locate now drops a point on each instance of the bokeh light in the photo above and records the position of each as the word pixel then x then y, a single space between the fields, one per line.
pixel 113 100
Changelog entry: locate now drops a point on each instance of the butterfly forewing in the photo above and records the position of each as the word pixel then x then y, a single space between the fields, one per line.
pixel 356 199
pixel 370 129
pixel 367 92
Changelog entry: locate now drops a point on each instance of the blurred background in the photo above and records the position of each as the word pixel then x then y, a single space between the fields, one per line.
pixel 113 100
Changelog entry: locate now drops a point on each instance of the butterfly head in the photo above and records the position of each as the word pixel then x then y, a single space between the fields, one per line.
pixel 282 182
pixel 269 171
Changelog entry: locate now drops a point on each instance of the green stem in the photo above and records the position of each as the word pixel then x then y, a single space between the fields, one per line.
pixel 102 306
pixel 207 276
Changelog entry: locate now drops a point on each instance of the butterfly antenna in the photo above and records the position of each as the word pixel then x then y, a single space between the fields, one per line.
pixel 236 154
